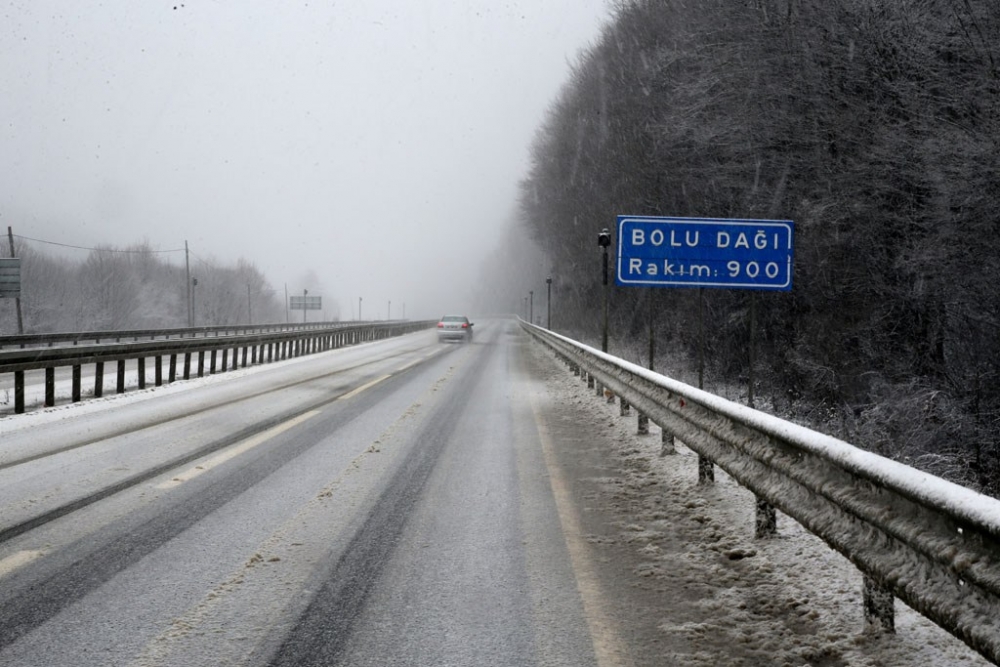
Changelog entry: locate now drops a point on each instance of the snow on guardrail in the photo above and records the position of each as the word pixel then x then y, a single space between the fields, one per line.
pixel 931 543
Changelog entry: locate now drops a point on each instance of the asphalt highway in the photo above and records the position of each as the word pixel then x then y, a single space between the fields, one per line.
pixel 398 503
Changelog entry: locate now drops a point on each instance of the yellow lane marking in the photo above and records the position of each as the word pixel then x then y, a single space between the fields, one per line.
pixel 604 635
pixel 20 559
pixel 409 365
pixel 363 387
pixel 235 451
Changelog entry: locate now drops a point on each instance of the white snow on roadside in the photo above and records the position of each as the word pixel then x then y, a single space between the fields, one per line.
pixel 973 507
pixel 789 601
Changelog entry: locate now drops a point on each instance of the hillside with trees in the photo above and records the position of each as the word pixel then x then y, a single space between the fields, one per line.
pixel 132 287
pixel 875 127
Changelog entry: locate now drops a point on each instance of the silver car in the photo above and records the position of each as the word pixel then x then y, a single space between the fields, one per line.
pixel 455 327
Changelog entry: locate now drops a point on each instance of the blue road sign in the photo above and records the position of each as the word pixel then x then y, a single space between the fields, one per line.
pixel 704 252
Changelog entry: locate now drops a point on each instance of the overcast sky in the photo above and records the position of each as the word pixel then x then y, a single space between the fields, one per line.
pixel 374 143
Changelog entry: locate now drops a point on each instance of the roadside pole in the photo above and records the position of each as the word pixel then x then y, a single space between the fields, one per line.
pixel 17 300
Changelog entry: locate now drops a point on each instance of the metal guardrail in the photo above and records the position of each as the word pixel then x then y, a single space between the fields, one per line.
pixel 255 348
pixel 51 339
pixel 932 544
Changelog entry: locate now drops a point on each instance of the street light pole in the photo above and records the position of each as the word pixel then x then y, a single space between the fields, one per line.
pixel 604 240
pixel 548 303
pixel 194 283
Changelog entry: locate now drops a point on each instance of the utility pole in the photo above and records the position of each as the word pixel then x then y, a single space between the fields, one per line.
pixel 17 301
pixel 187 272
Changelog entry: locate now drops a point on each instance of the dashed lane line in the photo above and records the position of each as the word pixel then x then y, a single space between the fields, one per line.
pixel 17 560
pixel 235 450
pixel 369 385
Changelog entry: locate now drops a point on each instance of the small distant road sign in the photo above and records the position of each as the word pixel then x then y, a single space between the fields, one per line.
pixel 10 278
pixel 305 302
pixel 705 252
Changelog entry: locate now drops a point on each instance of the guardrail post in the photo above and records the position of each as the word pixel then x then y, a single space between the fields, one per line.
pixel 158 373
pixel 667 446
pixel 244 356
pixel 880 613
pixel 141 365
pixel 590 381
pixel 50 387
pixel 77 374
pixel 211 363
pixel 98 379
pixel 623 407
pixel 201 363
pixel 225 360
pixel 706 471
pixel 172 370
pixel 19 392
pixel 120 379
pixel 766 523
pixel 642 427
pixel 187 366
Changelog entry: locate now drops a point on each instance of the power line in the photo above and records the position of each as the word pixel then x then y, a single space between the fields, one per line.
pixel 203 261
pixel 78 247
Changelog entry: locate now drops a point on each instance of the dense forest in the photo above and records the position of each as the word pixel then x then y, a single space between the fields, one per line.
pixel 133 287
pixel 875 127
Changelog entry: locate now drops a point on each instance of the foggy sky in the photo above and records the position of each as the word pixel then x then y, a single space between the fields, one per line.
pixel 355 148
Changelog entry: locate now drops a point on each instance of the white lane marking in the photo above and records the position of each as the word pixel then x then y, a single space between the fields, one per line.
pixel 19 559
pixel 235 451
pixel 363 387
pixel 609 650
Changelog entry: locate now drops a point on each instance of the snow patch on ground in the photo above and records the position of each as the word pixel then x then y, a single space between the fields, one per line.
pixel 790 601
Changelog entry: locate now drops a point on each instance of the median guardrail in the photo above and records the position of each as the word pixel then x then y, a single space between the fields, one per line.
pixel 78 337
pixel 246 349
pixel 931 543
